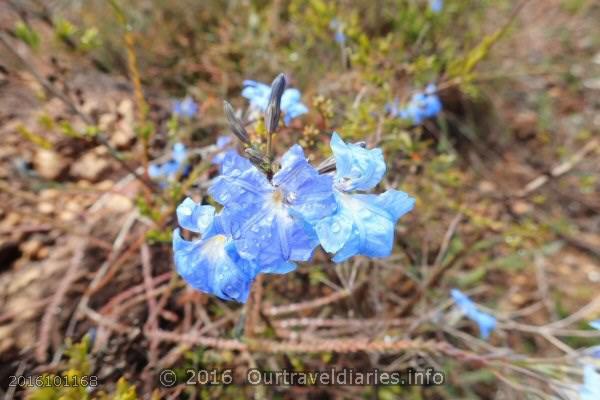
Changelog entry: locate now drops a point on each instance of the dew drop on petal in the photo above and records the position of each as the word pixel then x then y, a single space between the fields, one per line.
pixel 185 211
pixel 235 172
pixel 204 220
pixel 335 228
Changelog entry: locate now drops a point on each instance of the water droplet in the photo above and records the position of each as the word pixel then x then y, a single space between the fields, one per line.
pixel 335 228
pixel 185 211
pixel 254 228
pixel 235 172
pixel 291 197
pixel 204 220
pixel 224 197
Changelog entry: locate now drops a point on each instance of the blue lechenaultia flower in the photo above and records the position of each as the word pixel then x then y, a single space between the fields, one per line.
pixel 590 390
pixel 270 221
pixel 223 146
pixel 210 264
pixel 363 224
pixel 595 324
pixel 436 5
pixel 291 102
pixel 338 28
pixel 169 170
pixel 486 322
pixel 185 108
pixel 421 106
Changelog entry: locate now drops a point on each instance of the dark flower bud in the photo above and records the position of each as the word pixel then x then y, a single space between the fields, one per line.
pixel 274 106
pixel 236 125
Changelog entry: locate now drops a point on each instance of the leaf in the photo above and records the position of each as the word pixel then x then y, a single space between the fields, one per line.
pixel 27 35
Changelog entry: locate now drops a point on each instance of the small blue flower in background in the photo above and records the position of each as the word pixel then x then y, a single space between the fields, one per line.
pixel 176 165
pixel 223 147
pixel 595 324
pixel 436 5
pixel 363 224
pixel 590 390
pixel 210 264
pixel 421 106
pixel 486 322
pixel 185 108
pixel 338 28
pixel 291 102
pixel 269 221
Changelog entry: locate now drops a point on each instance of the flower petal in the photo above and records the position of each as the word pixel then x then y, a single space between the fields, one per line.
pixel 207 266
pixel 370 223
pixel 357 168
pixel 195 217
pixel 308 193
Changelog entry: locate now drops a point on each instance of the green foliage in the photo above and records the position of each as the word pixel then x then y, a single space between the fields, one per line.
pixel 78 378
pixel 27 34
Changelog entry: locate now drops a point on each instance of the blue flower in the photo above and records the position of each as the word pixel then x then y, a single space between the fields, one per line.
pixel 363 223
pixel 186 108
pixel 436 5
pixel 210 264
pixel 291 102
pixel 595 324
pixel 169 170
pixel 422 105
pixel 590 390
pixel 223 146
pixel 338 28
pixel 270 221
pixel 486 322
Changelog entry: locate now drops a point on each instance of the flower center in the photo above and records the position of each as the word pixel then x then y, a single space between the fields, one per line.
pixel 278 197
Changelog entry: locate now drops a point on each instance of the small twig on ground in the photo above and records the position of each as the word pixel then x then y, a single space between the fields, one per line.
pixel 559 169
pixel 53 308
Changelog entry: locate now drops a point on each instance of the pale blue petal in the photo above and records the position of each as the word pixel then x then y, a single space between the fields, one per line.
pixel 195 217
pixel 223 141
pixel 372 226
pixel 590 390
pixel 307 193
pixel 395 202
pixel 334 231
pixel 595 324
pixel 357 168
pixel 486 322
pixel 207 265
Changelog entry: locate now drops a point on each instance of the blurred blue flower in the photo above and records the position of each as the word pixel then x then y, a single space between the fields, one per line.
pixel 421 106
pixel 595 324
pixel 291 102
pixel 185 108
pixel 486 322
pixel 269 221
pixel 338 28
pixel 590 390
pixel 210 264
pixel 223 147
pixel 363 224
pixel 169 170
pixel 436 5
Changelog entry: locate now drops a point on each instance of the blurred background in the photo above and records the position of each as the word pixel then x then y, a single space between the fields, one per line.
pixel 505 177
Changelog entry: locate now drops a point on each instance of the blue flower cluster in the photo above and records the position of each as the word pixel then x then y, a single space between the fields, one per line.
pixel 338 28
pixel 436 5
pixel 421 106
pixel 486 322
pixel 185 108
pixel 265 226
pixel 176 165
pixel 291 102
